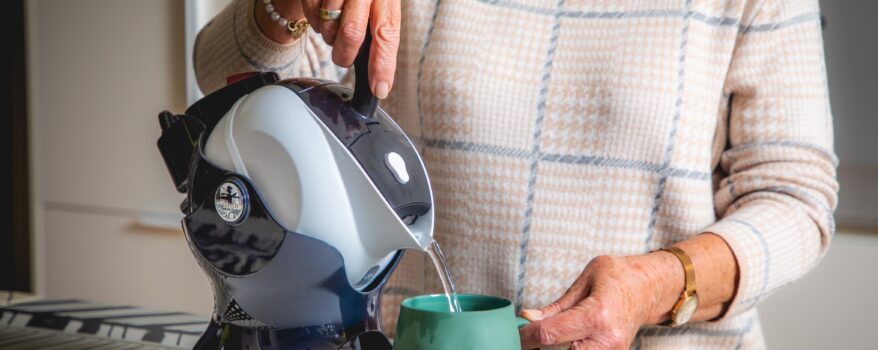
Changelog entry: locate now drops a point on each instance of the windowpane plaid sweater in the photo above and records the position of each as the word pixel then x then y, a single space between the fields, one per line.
pixel 558 130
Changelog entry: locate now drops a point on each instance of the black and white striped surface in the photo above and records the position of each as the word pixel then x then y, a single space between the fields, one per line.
pixel 77 324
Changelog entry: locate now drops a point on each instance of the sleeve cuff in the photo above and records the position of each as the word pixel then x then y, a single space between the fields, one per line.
pixel 773 246
pixel 746 244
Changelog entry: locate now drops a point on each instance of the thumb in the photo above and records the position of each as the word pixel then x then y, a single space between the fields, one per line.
pixel 570 298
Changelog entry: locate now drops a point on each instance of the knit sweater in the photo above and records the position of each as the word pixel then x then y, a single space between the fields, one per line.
pixel 555 131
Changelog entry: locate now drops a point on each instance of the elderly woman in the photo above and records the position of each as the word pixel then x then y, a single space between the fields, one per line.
pixel 630 173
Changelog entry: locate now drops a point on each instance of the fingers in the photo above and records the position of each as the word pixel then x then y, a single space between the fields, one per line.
pixel 351 31
pixel 385 43
pixel 599 343
pixel 586 344
pixel 573 295
pixel 330 28
pixel 565 302
pixel 310 8
pixel 569 325
pixel 347 35
pixel 579 345
pixel 578 291
pixel 595 313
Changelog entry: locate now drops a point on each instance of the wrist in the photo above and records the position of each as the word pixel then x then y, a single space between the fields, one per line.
pixel 665 281
pixel 290 9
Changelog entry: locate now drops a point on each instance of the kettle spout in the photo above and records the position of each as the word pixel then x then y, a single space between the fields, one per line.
pixel 420 230
pixel 382 236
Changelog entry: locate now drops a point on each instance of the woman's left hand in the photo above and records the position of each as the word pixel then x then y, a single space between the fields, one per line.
pixel 607 304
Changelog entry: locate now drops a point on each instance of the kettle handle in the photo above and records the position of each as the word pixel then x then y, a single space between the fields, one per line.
pixel 364 101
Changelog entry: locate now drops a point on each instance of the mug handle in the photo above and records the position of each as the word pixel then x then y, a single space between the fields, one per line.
pixel 521 322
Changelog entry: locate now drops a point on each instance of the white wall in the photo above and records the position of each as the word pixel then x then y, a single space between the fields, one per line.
pixel 102 70
pixel 851 52
pixel 835 306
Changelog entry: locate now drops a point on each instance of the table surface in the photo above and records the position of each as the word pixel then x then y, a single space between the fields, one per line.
pixel 78 324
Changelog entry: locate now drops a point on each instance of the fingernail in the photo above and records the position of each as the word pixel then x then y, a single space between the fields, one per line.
pixel 381 90
pixel 531 314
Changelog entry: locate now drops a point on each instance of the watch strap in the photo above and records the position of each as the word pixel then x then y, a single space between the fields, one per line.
pixel 688 267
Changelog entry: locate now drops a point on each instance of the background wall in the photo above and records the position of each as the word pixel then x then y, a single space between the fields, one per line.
pixel 834 306
pixel 100 73
pixel 97 84
pixel 851 52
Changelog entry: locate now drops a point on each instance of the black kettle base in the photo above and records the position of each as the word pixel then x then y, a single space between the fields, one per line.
pixel 230 337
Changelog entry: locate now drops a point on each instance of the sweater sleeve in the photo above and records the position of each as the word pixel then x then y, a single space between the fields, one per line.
pixel 232 43
pixel 776 203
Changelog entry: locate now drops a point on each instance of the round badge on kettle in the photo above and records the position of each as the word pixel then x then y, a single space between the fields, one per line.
pixel 231 201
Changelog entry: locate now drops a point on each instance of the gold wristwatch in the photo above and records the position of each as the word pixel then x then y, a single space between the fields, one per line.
pixel 688 302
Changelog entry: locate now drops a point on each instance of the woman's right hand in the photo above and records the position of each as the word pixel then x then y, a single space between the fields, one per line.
pixel 347 33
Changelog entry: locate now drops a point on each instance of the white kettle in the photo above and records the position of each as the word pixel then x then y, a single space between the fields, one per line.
pixel 329 171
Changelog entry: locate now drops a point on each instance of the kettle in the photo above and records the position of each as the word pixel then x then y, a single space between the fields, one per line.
pixel 330 166
pixel 300 196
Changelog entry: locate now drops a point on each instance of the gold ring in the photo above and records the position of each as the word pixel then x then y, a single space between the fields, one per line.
pixel 330 15
pixel 298 28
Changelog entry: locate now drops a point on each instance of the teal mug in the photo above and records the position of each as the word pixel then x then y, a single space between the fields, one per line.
pixel 485 322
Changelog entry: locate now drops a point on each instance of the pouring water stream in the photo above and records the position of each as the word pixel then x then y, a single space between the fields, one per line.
pixel 438 258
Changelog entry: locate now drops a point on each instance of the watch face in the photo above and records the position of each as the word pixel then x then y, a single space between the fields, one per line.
pixel 230 201
pixel 686 310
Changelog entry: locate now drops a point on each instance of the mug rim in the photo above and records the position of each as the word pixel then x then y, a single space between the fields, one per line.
pixel 403 304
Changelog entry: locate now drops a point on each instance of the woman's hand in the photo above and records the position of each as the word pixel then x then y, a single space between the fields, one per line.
pixel 347 33
pixel 607 304
pixel 615 296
